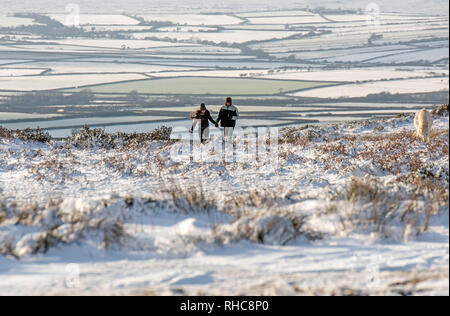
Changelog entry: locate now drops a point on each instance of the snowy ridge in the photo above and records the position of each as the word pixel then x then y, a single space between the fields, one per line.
pixel 353 208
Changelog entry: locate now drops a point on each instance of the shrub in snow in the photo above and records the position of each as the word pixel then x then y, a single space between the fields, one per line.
pixel 97 137
pixel 441 110
pixel 270 230
pixel 31 244
pixel 299 136
pixel 29 229
pixel 264 228
pixel 35 135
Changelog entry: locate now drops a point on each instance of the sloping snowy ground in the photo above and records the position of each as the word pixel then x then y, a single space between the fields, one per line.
pixel 355 208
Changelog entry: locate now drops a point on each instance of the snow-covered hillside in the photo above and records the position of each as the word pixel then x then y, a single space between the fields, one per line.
pixel 352 208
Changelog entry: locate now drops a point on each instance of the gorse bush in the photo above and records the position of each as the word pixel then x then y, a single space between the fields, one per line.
pixel 97 137
pixel 35 135
pixel 299 136
pixel 87 138
pixel 162 133
pixel 441 111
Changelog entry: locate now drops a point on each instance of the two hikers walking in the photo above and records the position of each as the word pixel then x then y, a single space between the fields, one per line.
pixel 227 118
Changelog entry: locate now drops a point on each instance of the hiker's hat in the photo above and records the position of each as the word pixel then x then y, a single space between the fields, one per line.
pixel 203 107
pixel 229 100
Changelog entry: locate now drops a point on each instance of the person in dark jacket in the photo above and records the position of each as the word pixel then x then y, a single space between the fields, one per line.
pixel 202 117
pixel 227 118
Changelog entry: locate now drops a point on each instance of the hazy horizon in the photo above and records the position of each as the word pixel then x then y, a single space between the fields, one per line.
pixel 440 7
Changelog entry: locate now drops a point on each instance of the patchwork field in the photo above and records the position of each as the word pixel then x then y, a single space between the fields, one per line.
pixel 203 86
pixel 292 64
pixel 329 191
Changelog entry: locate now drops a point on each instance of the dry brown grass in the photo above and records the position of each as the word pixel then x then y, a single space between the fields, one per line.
pixel 386 210
pixel 189 199
pixel 259 215
pixel 292 136
pixel 58 167
pixel 363 190
pixel 36 135
pixel 389 152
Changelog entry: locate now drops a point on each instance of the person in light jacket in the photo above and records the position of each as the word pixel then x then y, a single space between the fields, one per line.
pixel 227 118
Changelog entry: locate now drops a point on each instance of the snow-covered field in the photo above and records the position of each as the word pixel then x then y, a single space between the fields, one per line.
pixel 354 208
pixel 36 83
pixel 211 73
pixel 21 116
pixel 10 72
pixel 115 44
pixel 231 36
pixel 304 19
pixel 10 21
pixel 391 86
pixel 327 41
pixel 96 19
pixel 275 13
pixel 93 67
pixel 193 19
pixel 369 74
pixel 432 55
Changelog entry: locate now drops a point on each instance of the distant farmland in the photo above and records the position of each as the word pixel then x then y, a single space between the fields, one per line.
pixel 213 86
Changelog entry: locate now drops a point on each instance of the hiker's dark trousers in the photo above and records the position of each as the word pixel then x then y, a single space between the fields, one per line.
pixel 204 134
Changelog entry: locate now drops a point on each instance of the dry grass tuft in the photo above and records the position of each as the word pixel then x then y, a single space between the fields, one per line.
pixel 190 199
pixel 392 211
